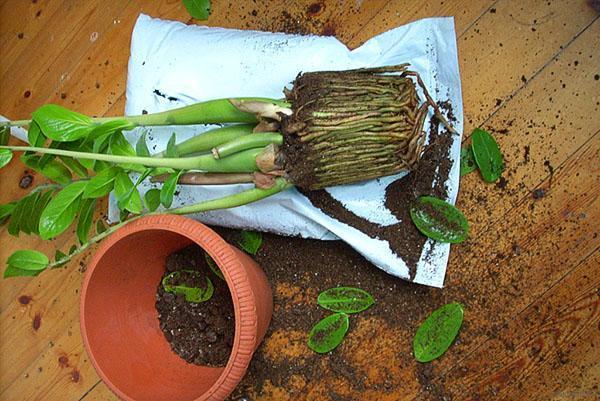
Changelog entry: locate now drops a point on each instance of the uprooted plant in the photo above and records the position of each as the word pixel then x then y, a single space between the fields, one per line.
pixel 333 128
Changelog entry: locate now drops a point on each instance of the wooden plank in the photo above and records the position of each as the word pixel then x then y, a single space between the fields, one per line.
pixel 523 355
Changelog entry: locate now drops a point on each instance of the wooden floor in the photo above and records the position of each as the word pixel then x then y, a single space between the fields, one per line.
pixel 530 72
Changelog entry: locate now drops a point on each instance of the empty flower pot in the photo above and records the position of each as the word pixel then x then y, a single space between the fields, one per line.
pixel 119 322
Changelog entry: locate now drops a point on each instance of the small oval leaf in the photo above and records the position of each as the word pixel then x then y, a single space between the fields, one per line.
pixel 487 155
pixel 61 211
pixel 192 294
pixel 4 135
pixel 435 335
pixel 152 199
pixel 5 157
pixel 12 271
pixel 251 241
pixel 467 162
pixel 168 189
pixel 101 184
pixel 212 265
pixel 28 260
pixel 326 335
pixel 57 172
pixel 345 299
pixel 199 9
pixel 141 148
pixel 86 216
pixel 439 220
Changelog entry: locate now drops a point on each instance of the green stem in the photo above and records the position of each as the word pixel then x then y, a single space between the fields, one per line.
pixel 242 162
pixel 207 140
pixel 239 199
pixel 209 112
pixel 258 140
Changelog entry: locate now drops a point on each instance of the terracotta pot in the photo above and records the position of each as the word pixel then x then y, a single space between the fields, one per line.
pixel 119 322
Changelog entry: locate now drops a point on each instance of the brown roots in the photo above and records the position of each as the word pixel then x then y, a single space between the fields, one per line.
pixel 349 126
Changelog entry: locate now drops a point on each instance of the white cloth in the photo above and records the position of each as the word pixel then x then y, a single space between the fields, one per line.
pixel 196 63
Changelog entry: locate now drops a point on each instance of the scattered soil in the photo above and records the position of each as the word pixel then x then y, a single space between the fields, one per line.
pixel 428 179
pixel 201 333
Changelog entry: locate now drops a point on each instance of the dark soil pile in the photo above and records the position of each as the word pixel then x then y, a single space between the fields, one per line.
pixel 201 333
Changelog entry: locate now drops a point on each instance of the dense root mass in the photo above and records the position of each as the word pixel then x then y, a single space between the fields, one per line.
pixel 349 126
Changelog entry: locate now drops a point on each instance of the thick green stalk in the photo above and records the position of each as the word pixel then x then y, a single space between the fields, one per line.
pixel 239 199
pixel 257 140
pixel 209 139
pixel 242 162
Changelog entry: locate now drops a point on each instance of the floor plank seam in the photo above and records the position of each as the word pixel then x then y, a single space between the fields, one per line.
pixel 90 390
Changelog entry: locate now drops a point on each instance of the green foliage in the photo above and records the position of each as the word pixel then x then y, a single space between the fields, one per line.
pixel 345 299
pixel 152 199
pixel 5 157
pixel 487 155
pixel 435 335
pixel 100 227
pixel 199 9
pixel 327 334
pixel 213 266
pixel 141 148
pixel 439 220
pixel 192 294
pixel 467 162
pixel 60 258
pixel 86 216
pixel 171 150
pixel 101 184
pixel 34 135
pixel 28 221
pixel 128 198
pixel 251 241
pixel 168 189
pixel 28 260
pixel 4 135
pixel 57 172
pixel 61 124
pixel 6 211
pixel 61 211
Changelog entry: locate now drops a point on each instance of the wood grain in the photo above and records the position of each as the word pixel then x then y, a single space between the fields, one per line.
pixel 528 276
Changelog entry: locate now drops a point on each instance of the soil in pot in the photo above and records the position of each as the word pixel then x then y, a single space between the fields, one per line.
pixel 200 333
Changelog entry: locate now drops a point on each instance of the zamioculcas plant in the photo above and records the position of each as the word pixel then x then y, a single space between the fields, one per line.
pixel 333 128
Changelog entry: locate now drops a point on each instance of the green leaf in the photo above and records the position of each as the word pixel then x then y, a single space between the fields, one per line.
pixel 57 172
pixel 39 207
pixel 14 226
pixel 435 335
pixel 168 189
pixel 212 265
pixel 467 162
pixel 28 221
pixel 171 150
pixel 251 241
pixel 86 215
pixel 326 335
pixel 152 199
pixel 60 259
pixel 4 135
pixel 72 249
pixel 6 211
pixel 31 161
pixel 12 271
pixel 118 145
pixel 108 128
pixel 35 136
pixel 100 227
pixel 5 157
pixel 439 220
pixel 75 166
pixel 199 9
pixel 487 155
pixel 61 124
pixel 28 260
pixel 192 294
pixel 141 148
pixel 61 211
pixel 345 299
pixel 128 198
pixel 46 158
pixel 101 184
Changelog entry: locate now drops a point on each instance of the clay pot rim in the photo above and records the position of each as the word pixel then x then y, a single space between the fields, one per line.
pixel 243 297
